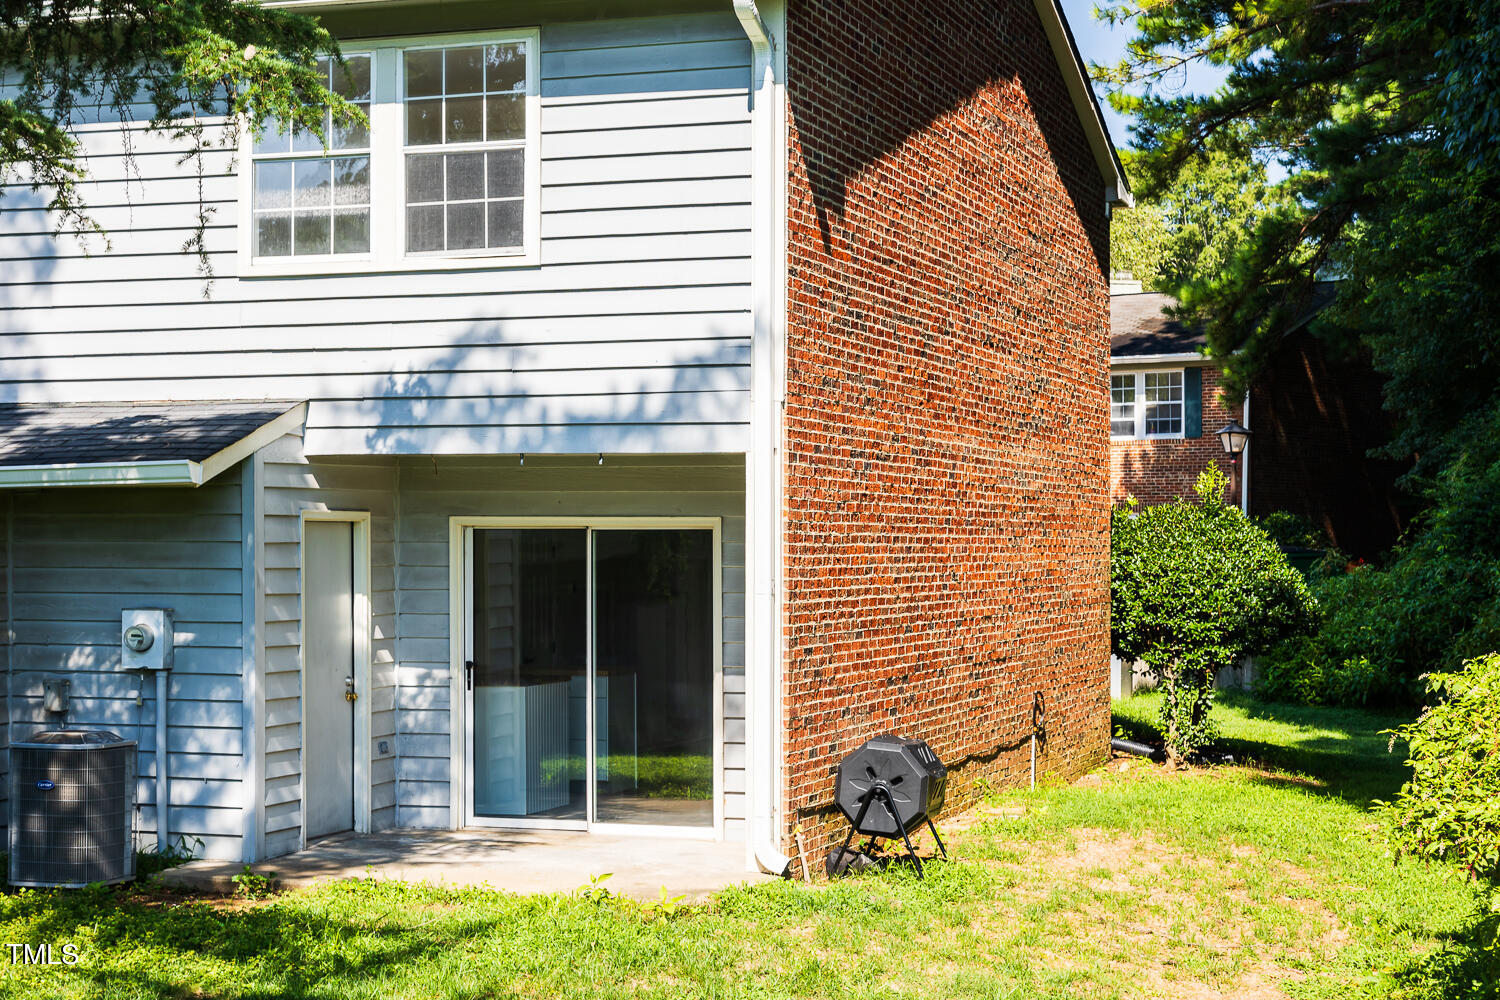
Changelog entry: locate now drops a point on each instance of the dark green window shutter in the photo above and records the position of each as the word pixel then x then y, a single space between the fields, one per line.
pixel 1192 402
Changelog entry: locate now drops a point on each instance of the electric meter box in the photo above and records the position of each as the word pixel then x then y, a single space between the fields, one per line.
pixel 146 639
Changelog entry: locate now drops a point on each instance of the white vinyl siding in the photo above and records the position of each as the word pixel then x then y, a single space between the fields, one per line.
pixel 631 335
pixel 78 558
pixel 410 501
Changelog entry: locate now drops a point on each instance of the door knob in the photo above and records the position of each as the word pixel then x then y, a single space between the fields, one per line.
pixel 349 694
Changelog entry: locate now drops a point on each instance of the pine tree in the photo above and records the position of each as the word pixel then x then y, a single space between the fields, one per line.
pixel 197 71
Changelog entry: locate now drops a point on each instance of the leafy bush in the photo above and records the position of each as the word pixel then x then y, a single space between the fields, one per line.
pixel 1301 671
pixel 253 884
pixel 1450 809
pixel 1193 588
pixel 1292 530
pixel 1437 601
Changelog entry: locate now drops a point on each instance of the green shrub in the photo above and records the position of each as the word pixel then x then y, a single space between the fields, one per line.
pixel 1450 808
pixel 1301 671
pixel 1193 588
pixel 1436 602
pixel 1292 530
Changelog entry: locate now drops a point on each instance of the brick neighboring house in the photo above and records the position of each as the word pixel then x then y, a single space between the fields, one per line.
pixel 723 394
pixel 1314 418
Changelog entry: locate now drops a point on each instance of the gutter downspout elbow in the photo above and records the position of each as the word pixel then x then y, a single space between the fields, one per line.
pixel 763 513
pixel 760 38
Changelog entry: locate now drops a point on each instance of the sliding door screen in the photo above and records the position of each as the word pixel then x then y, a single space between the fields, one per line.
pixel 529 677
pixel 653 643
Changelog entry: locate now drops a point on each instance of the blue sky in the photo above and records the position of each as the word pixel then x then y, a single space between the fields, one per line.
pixel 1101 43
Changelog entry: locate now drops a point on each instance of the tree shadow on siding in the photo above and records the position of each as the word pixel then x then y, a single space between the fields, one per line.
pixel 681 393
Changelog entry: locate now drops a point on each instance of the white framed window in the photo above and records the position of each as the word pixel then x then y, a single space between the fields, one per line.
pixel 308 203
pixel 1162 403
pixel 1147 404
pixel 1122 406
pixel 465 148
pixel 445 177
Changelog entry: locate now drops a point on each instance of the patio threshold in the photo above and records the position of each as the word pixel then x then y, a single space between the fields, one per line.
pixel 519 861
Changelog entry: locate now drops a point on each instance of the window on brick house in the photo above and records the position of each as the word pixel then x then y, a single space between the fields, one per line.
pixel 1146 404
pixel 1122 405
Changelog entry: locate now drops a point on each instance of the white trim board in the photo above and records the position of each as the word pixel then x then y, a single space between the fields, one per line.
pixel 1184 358
pixel 159 472
pixel 1085 104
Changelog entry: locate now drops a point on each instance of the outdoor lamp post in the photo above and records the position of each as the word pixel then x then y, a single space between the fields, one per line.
pixel 1234 436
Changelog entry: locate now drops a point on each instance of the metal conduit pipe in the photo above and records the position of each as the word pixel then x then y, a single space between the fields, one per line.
pixel 163 802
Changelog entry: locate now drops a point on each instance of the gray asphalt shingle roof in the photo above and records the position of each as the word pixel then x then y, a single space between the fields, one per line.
pixel 88 433
pixel 1138 327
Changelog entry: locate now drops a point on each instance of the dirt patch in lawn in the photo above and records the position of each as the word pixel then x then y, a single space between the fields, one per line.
pixel 1181 925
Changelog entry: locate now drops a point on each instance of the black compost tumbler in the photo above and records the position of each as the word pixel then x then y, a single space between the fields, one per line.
pixel 888 787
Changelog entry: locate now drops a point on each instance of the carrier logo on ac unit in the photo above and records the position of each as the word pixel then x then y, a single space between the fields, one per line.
pixel 45 784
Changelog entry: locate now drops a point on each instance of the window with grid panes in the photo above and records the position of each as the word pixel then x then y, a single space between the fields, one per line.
pixel 1162 392
pixel 1146 404
pixel 465 147
pixel 306 202
pixel 1122 405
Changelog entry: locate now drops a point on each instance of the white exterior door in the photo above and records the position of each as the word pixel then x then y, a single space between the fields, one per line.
pixel 328 676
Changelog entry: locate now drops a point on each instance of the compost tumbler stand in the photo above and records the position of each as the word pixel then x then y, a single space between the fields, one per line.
pixel 883 791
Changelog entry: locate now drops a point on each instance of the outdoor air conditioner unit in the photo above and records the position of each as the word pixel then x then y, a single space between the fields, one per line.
pixel 72 799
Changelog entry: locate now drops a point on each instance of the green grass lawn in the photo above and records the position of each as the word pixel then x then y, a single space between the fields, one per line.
pixel 1245 881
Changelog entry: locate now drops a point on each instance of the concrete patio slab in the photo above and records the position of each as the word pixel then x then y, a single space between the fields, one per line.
pixel 512 861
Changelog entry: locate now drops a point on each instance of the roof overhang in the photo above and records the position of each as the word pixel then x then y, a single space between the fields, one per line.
pixel 1183 357
pixel 153 472
pixel 1064 51
pixel 1076 76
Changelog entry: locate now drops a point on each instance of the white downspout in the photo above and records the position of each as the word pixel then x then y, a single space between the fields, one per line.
pixel 1245 460
pixel 763 520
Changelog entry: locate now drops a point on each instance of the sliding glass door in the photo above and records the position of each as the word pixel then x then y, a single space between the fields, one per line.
pixel 527 673
pixel 653 657
pixel 590 675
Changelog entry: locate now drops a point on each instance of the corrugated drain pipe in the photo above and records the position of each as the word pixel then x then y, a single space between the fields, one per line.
pixel 1132 747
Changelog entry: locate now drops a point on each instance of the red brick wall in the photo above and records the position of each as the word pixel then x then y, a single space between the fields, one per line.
pixel 1315 419
pixel 946 506
pixel 1158 471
